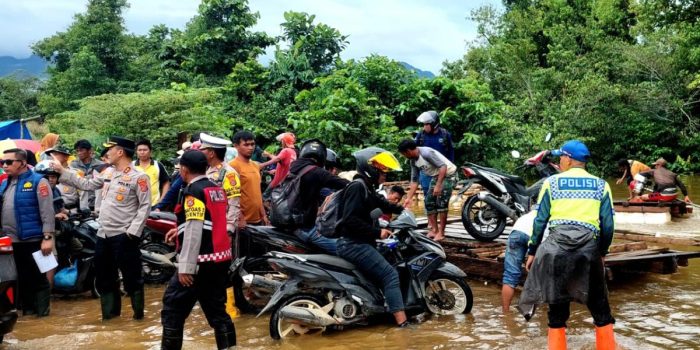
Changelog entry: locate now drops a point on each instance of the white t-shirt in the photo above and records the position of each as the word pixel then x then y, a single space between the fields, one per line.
pixel 524 224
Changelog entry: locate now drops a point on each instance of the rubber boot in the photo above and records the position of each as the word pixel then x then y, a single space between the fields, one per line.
pixel 605 338
pixel 137 304
pixel 225 340
pixel 107 302
pixel 231 308
pixel 556 338
pixel 43 302
pixel 172 339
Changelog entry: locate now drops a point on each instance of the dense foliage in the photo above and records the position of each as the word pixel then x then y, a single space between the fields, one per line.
pixel 622 75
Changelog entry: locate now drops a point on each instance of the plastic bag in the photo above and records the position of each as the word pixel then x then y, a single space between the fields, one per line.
pixel 66 277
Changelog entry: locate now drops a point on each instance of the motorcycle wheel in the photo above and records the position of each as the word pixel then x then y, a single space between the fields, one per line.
pixel 481 220
pixel 448 295
pixel 280 328
pixel 153 273
pixel 250 299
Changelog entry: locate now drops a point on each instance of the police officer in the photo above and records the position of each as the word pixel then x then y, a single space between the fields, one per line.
pixel 204 256
pixel 28 218
pixel 89 166
pixel 124 207
pixel 222 174
pixel 569 265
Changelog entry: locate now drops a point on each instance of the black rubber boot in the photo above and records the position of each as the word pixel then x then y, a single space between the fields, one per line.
pixel 172 339
pixel 43 302
pixel 137 304
pixel 225 340
pixel 111 305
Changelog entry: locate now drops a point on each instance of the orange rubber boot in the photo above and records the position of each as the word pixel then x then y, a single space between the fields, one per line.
pixel 605 338
pixel 556 338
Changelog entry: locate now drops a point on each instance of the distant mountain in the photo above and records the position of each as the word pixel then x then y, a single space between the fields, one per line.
pixel 33 66
pixel 420 73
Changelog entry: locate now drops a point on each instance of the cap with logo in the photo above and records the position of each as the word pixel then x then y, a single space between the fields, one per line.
pixel 574 149
pixel 121 142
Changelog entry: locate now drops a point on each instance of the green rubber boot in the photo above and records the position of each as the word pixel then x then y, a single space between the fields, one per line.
pixel 43 302
pixel 137 304
pixel 111 305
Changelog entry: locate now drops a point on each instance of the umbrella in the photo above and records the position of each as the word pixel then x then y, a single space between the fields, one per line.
pixel 23 144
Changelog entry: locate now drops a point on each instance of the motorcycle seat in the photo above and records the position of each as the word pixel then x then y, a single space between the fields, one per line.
pixel 162 215
pixel 328 260
pixel 514 178
pixel 270 229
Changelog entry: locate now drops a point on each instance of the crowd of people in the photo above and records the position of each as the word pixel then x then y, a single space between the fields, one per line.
pixel 214 199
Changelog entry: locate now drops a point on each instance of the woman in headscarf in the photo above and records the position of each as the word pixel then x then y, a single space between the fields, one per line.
pixel 49 140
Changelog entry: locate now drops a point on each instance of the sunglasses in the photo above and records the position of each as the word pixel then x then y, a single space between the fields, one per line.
pixel 8 161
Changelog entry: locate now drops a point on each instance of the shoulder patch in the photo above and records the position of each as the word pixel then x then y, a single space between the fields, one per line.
pixel 143 184
pixel 194 208
pixel 43 190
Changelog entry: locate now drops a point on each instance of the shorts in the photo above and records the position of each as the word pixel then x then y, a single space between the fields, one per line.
pixel 515 254
pixel 439 204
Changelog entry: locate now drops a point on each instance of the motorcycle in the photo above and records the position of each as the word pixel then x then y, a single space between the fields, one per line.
pixel 83 227
pixel 157 256
pixel 484 215
pixel 639 185
pixel 8 287
pixel 254 281
pixel 326 292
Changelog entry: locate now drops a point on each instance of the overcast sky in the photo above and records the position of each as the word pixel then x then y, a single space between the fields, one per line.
pixel 422 33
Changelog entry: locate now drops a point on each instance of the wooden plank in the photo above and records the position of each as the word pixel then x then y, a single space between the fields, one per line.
pixel 626 247
pixel 649 210
pixel 632 236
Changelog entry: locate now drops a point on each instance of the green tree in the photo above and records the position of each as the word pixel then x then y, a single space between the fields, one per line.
pixel 18 97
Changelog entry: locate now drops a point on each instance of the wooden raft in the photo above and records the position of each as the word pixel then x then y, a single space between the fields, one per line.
pixel 629 254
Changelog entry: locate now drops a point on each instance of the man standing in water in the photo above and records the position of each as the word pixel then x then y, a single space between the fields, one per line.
pixel 204 255
pixel 569 265
pixel 124 208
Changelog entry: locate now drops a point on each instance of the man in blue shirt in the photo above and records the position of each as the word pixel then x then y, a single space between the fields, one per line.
pixel 436 137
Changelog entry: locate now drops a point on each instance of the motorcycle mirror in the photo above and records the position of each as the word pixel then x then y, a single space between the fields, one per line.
pixel 515 154
pixel 548 137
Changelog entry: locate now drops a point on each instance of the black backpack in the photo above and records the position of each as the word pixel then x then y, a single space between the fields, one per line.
pixel 285 209
pixel 331 211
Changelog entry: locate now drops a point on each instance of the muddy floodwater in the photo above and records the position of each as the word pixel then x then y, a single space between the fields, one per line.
pixel 652 311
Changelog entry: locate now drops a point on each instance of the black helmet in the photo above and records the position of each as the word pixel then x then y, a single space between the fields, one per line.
pixel 44 168
pixel 331 158
pixel 429 117
pixel 374 160
pixel 314 149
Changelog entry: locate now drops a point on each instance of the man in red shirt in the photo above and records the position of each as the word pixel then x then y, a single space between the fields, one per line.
pixel 283 159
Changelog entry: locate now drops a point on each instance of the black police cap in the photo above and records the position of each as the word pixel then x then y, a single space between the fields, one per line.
pixel 121 142
pixel 194 160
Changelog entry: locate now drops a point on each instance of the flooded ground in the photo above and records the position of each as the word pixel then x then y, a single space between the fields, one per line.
pixel 652 311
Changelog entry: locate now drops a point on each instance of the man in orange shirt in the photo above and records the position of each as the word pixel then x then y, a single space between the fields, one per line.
pixel 252 210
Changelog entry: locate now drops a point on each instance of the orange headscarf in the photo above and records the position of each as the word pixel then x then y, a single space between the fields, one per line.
pixel 49 140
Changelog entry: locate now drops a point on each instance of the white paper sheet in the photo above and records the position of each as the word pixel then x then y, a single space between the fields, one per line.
pixel 44 262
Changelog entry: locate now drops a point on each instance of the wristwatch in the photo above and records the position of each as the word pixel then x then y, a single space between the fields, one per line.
pixel 48 237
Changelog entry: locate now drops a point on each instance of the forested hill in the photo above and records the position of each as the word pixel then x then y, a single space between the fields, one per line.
pixel 32 66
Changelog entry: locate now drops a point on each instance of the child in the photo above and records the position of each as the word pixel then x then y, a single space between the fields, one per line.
pixel 394 195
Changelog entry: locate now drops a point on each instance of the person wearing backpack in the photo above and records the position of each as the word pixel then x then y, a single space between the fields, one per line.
pixel 314 177
pixel 358 230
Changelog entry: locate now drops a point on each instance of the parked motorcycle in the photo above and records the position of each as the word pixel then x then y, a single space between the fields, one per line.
pixel 254 281
pixel 157 256
pixel 83 227
pixel 641 183
pixel 8 287
pixel 504 196
pixel 327 292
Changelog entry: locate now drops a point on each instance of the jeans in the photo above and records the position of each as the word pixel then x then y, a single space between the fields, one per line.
pixel 311 236
pixel 515 254
pixel 376 268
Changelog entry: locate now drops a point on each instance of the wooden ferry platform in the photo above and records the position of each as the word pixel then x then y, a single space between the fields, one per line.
pixel 630 253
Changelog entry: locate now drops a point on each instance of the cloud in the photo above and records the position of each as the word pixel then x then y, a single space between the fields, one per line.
pixel 421 32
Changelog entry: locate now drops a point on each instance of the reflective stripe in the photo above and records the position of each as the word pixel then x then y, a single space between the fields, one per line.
pixel 595 230
pixel 215 257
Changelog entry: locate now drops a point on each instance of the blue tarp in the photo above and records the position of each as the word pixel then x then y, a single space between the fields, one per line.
pixel 14 129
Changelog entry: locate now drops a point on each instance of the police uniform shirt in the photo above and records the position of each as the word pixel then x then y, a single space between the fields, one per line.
pixel 125 199
pixel 46 212
pixel 225 176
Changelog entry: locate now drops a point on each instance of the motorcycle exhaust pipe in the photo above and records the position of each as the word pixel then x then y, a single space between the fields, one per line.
pixel 156 258
pixel 261 282
pixel 311 317
pixel 492 201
